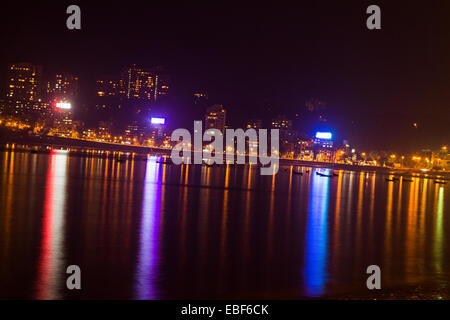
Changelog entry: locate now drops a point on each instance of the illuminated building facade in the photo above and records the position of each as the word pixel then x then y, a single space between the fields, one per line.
pixel 108 92
pixel 323 147
pixel 24 88
pixel 157 130
pixel 135 88
pixel 288 136
pixel 305 149
pixel 282 123
pixel 142 84
pixel 200 97
pixel 215 118
pixel 254 123
pixel 63 87
pixel 64 125
pixel 107 88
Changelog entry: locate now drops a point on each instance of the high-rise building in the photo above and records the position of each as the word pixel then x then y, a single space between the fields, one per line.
pixel 62 87
pixel 161 83
pixel 323 146
pixel 254 123
pixel 133 91
pixel 107 88
pixel 216 118
pixel 132 82
pixel 24 87
pixel 282 123
pixel 137 83
pixel 108 93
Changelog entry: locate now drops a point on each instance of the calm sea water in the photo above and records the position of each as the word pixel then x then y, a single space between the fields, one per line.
pixel 146 230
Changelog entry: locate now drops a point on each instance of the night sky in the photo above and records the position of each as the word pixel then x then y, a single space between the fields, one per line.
pixel 260 60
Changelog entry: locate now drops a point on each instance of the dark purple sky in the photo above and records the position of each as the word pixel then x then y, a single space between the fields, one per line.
pixel 254 56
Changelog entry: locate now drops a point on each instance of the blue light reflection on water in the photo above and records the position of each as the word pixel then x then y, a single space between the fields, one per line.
pixel 316 237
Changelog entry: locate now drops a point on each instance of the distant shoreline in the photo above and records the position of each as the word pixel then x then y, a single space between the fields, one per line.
pixel 63 143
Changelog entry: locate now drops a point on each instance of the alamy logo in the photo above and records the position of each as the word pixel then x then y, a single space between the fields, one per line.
pixel 374 281
pixel 374 20
pixel 249 144
pixel 74 20
pixel 74 280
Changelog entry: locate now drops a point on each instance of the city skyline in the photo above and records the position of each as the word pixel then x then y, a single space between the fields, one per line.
pixel 216 154
pixel 111 95
pixel 388 80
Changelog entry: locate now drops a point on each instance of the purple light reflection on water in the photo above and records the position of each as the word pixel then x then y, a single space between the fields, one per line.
pixel 148 254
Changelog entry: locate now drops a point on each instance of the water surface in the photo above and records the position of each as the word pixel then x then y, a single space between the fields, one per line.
pixel 146 230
